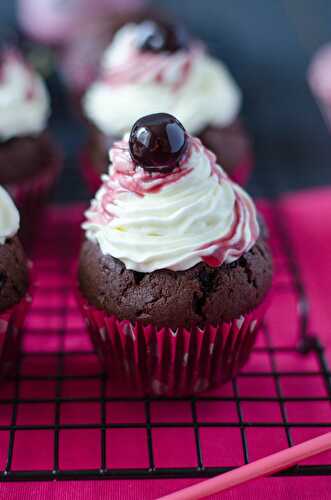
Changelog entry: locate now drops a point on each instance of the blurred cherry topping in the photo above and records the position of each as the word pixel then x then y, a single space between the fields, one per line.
pixel 161 37
pixel 158 142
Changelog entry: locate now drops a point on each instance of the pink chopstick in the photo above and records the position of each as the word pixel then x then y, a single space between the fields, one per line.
pixel 262 467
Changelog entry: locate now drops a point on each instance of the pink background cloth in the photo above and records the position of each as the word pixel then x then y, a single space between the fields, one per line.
pixel 307 217
pixel 273 489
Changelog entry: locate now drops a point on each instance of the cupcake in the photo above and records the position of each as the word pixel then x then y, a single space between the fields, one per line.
pixel 151 66
pixel 14 282
pixel 174 272
pixel 79 60
pixel 55 22
pixel 29 161
pixel 319 79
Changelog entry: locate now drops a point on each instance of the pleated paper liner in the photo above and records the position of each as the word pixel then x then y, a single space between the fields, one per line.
pixel 164 362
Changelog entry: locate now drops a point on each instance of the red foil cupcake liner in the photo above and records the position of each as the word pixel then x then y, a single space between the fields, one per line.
pixel 163 362
pixel 240 174
pixel 31 196
pixel 11 323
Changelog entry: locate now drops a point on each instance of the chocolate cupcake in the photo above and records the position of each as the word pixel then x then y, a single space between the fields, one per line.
pixel 152 66
pixel 174 271
pixel 14 282
pixel 29 161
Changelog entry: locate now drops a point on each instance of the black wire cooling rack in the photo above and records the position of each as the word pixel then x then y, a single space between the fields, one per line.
pixel 61 419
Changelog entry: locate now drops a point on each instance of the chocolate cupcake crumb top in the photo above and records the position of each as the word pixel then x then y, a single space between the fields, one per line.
pixel 13 268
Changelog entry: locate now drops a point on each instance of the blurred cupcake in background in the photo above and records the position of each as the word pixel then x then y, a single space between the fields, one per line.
pixel 60 24
pixel 55 22
pixel 79 60
pixel 175 270
pixel 319 79
pixel 14 283
pixel 154 65
pixel 29 161
pixel 50 21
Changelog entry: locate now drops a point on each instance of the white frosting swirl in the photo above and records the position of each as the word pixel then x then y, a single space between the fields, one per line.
pixel 9 217
pixel 171 221
pixel 24 101
pixel 190 85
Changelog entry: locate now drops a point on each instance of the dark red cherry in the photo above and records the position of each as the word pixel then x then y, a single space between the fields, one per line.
pixel 161 37
pixel 158 142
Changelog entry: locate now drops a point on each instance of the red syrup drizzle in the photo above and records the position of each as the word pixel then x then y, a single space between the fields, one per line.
pixel 185 73
pixel 242 210
pixel 244 213
pixel 141 67
pixel 126 177
pixel 30 93
pixel 135 179
pixel 31 89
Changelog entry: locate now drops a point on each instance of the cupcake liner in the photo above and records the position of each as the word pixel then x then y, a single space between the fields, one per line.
pixel 164 362
pixel 11 323
pixel 240 174
pixel 32 194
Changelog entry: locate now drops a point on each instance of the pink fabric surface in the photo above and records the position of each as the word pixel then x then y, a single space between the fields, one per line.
pixel 273 489
pixel 309 216
pixel 306 215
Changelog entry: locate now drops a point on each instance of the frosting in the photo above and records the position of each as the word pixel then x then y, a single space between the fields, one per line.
pixel 171 221
pixel 9 217
pixel 188 84
pixel 24 101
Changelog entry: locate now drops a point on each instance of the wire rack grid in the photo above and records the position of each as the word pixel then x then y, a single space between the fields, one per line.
pixel 61 418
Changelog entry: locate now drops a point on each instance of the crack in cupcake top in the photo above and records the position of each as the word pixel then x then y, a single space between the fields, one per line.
pixel 9 217
pixel 172 220
pixel 24 101
pixel 187 83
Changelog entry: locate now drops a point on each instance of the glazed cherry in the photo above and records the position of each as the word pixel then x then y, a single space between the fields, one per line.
pixel 161 37
pixel 158 142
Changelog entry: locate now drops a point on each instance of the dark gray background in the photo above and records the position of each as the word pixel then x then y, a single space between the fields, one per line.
pixel 268 45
